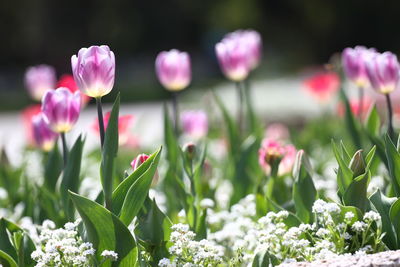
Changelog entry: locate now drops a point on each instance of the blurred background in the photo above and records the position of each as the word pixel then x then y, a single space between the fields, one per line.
pixel 296 34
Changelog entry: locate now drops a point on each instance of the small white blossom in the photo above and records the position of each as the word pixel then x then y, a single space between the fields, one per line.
pixel 109 254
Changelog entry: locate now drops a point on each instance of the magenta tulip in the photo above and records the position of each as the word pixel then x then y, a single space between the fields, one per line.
pixel 252 41
pixel 139 161
pixel 94 70
pixel 194 123
pixel 61 109
pixel 43 136
pixel 383 72
pixel 354 64
pixel 39 79
pixel 173 69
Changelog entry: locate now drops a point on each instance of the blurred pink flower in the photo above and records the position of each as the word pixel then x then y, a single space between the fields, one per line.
pixel 356 108
pixel 44 137
pixel 354 61
pixel 277 131
pixel 68 81
pixel 322 86
pixel 124 124
pixel 194 123
pixel 39 79
pixel 272 150
pixel 27 114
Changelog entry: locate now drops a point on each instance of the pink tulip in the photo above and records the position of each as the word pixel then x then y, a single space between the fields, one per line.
pixel 39 79
pixel 139 161
pixel 272 150
pixel 61 109
pixel 94 70
pixel 322 86
pixel 44 137
pixel 354 64
pixel 194 123
pixel 356 108
pixel 173 69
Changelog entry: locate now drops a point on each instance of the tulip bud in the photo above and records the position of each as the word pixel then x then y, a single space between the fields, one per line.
pixel 61 109
pixel 357 164
pixel 354 61
pixel 44 137
pixel 383 72
pixel 194 123
pixel 94 70
pixel 39 79
pixel 173 69
pixel 189 150
pixel 139 161
pixel 233 58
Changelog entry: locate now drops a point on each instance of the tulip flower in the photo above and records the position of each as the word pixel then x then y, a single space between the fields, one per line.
pixel 39 79
pixel 68 81
pixel 383 73
pixel 44 137
pixel 124 123
pixel 322 86
pixel 61 109
pixel 194 123
pixel 358 108
pixel 354 64
pixel 94 73
pixel 27 115
pixel 173 69
pixel 273 152
pixel 136 162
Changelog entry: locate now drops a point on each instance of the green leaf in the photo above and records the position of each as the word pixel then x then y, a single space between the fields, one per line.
pixel 119 194
pixel 153 229
pixel 344 174
pixel 356 211
pixel 350 121
pixel 53 169
pixel 393 158
pixel 6 260
pixel 138 192
pixel 356 193
pixel 71 176
pixel 233 132
pixel 263 259
pixel 254 123
pixel 382 205
pixel 373 122
pixel 110 150
pixel 395 218
pixel 201 225
pixel 304 192
pixel 170 138
pixel 106 232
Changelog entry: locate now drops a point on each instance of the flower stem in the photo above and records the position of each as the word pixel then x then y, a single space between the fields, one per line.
pixel 176 111
pixel 101 120
pixel 360 104
pixel 240 104
pixel 65 149
pixel 390 115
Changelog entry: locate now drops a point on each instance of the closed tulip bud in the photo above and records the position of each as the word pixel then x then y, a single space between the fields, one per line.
pixel 233 58
pixel 139 161
pixel 39 79
pixel 173 69
pixel 357 164
pixel 354 64
pixel 194 123
pixel 43 136
pixel 383 72
pixel 94 70
pixel 61 109
pixel 189 150
pixel 252 41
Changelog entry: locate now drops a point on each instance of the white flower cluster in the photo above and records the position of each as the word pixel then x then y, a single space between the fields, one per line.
pixel 191 253
pixel 62 247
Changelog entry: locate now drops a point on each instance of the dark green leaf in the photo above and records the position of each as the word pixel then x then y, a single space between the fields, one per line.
pixel 6 260
pixel 264 259
pixel 393 159
pixel 356 192
pixel 395 218
pixel 373 122
pixel 53 168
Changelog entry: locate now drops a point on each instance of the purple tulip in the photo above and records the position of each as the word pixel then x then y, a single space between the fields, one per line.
pixel 233 57
pixel 39 79
pixel 383 72
pixel 61 109
pixel 354 60
pixel 173 69
pixel 194 123
pixel 252 41
pixel 94 70
pixel 44 137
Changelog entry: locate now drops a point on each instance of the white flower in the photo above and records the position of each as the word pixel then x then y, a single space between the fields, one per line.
pixel 372 216
pixel 207 203
pixel 109 254
pixel 349 215
pixel 359 226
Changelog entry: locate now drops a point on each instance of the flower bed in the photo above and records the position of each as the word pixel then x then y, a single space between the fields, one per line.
pixel 238 195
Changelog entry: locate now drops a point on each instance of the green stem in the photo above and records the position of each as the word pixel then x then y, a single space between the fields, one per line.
pixel 360 104
pixel 176 111
pixel 65 149
pixel 101 120
pixel 240 94
pixel 390 116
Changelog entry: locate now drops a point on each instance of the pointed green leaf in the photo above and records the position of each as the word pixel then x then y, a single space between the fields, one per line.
pixel 373 122
pixel 344 174
pixel 53 168
pixel 395 218
pixel 356 192
pixel 106 232
pixel 393 159
pixel 350 121
pixel 6 260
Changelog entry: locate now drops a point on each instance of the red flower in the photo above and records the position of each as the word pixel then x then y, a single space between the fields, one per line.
pixel 68 81
pixel 27 114
pixel 322 86
pixel 355 107
pixel 124 124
